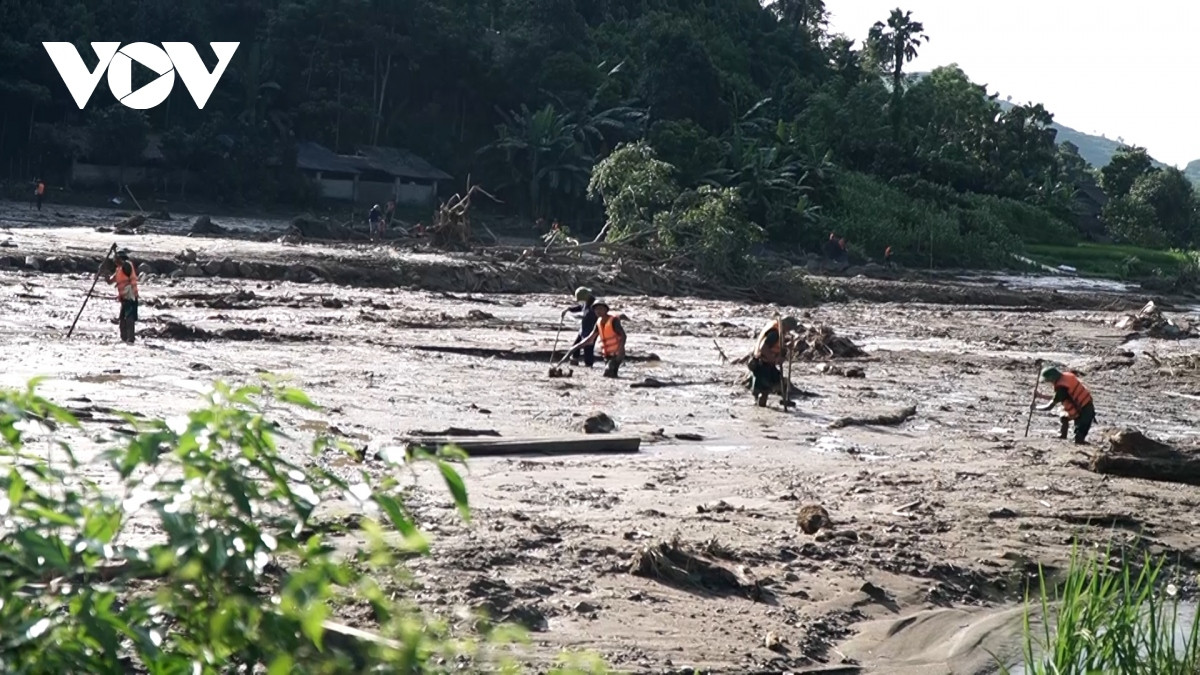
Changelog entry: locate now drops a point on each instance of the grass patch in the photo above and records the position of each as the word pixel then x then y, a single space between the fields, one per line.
pixel 1112 261
pixel 1111 619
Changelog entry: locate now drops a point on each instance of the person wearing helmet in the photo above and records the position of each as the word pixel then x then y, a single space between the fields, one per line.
pixel 1076 401
pixel 610 334
pixel 587 322
pixel 375 222
pixel 124 277
pixel 767 361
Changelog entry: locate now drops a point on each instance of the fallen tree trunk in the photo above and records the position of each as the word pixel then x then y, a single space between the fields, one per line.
pixel 515 354
pixel 569 445
pixel 1132 454
pixel 886 419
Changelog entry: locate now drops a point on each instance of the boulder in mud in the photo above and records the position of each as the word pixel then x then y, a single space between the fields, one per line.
pixel 212 268
pixel 599 423
pixel 1132 454
pixel 131 223
pixel 812 518
pixel 308 227
pixel 205 226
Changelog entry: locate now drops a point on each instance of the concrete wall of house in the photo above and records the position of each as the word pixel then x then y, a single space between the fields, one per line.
pixel 415 195
pixel 340 189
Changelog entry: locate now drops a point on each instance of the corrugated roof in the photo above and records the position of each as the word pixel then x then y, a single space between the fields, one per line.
pixel 398 162
pixel 316 157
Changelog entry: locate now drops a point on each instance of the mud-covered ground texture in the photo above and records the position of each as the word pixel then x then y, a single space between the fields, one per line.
pixel 886 523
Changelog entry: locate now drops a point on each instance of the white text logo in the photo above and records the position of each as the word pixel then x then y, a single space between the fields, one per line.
pixel 178 57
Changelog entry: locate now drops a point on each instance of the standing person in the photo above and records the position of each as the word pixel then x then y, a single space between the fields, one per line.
pixel 611 335
pixel 843 254
pixel 125 279
pixel 388 214
pixel 375 222
pixel 587 304
pixel 887 257
pixel 39 192
pixel 831 247
pixel 1076 403
pixel 766 365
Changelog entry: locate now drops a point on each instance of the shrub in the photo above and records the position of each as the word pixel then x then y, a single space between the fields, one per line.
pixel 236 575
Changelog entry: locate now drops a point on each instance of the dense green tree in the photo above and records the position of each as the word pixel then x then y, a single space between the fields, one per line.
pixel 1129 164
pixel 892 45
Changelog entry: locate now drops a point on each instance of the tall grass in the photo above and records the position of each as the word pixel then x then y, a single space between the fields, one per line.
pixel 1103 619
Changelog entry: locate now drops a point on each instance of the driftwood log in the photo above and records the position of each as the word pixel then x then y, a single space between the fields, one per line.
pixel 885 419
pixel 1132 454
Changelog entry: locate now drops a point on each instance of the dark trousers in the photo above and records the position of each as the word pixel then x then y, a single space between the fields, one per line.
pixel 614 364
pixel 1083 424
pixel 587 354
pixel 39 202
pixel 127 319
pixel 767 377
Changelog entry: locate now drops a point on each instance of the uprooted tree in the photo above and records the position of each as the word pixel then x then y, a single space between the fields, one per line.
pixel 704 227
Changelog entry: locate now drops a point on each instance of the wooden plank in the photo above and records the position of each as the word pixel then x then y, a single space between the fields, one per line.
pixel 566 445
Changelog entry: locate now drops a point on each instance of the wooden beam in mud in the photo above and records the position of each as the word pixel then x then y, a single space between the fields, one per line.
pixel 1133 455
pixel 514 354
pixel 566 445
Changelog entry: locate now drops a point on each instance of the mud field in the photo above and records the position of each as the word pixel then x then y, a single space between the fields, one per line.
pixel 936 522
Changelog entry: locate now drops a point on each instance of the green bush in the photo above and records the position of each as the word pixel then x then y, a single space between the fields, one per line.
pixel 227 570
pixel 873 216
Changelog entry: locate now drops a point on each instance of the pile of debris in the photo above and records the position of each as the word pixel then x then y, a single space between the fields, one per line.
pixel 1132 454
pixel 1151 322
pixel 451 228
pixel 817 343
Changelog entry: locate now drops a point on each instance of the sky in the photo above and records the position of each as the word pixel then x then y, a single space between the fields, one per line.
pixel 1118 69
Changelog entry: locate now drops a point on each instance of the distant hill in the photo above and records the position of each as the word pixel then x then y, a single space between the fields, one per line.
pixel 1097 150
pixel 1192 170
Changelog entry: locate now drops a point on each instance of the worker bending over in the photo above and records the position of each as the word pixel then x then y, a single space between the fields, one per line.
pixel 124 277
pixel 766 364
pixel 611 335
pixel 1076 403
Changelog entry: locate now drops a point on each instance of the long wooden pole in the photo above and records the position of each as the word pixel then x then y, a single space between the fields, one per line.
pixel 1037 382
pixel 90 290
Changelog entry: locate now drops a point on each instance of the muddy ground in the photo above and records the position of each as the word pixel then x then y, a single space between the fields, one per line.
pixel 936 522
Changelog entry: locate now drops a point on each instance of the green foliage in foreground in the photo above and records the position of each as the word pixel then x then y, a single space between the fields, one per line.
pixel 1105 620
pixel 225 569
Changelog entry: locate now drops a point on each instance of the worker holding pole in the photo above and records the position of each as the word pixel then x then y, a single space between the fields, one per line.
pixel 125 279
pixel 766 364
pixel 1076 403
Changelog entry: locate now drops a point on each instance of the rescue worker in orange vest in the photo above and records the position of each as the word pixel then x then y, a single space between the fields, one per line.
pixel 1076 402
pixel 40 192
pixel 125 279
pixel 611 335
pixel 767 361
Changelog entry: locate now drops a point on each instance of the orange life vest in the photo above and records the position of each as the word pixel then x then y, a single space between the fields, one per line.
pixel 127 286
pixel 610 339
pixel 770 354
pixel 41 188
pixel 1078 395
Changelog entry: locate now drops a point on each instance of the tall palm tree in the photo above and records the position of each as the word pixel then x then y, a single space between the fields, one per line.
pixel 893 44
pixel 544 152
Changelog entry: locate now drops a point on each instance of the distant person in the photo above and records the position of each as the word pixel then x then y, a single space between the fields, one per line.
pixel 843 254
pixel 887 258
pixel 124 277
pixel 587 322
pixel 611 335
pixel 39 193
pixel 831 247
pixel 1076 403
pixel 375 222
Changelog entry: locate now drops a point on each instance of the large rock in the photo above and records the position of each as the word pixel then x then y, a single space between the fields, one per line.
pixel 205 226
pixel 813 518
pixel 599 423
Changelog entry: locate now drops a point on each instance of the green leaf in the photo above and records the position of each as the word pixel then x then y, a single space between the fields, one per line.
pixel 16 488
pixel 282 665
pixel 458 489
pixel 313 623
pixel 296 397
pixel 102 524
